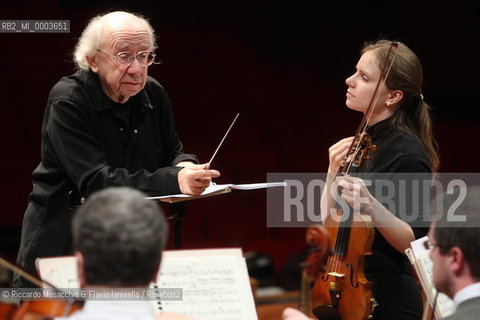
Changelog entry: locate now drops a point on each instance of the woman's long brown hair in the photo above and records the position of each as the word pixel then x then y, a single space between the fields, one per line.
pixel 413 113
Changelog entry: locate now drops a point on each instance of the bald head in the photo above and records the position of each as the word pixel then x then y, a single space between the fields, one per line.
pixel 119 21
pixel 100 29
pixel 120 17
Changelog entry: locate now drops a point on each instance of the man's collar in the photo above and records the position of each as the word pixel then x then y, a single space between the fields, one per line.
pixel 100 101
pixel 467 293
pixel 144 99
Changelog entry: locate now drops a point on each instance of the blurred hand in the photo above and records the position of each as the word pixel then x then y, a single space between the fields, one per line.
pixel 294 314
pixel 195 178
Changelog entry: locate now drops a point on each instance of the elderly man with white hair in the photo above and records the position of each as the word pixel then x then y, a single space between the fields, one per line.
pixel 109 124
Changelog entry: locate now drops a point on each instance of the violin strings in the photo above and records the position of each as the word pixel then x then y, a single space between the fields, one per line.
pixel 339 245
pixel 334 260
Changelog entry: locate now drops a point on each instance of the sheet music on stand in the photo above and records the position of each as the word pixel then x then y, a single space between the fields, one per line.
pixel 215 284
pixel 216 189
pixel 420 259
pixel 59 271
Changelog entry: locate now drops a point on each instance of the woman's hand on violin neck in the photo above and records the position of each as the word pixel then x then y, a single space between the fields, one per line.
pixel 337 153
pixel 354 191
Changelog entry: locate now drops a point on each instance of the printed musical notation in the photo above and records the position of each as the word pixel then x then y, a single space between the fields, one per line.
pixel 214 282
pixel 59 271
pixel 214 286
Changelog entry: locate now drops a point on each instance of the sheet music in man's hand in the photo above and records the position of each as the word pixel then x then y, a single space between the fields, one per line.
pixel 215 284
pixel 420 259
pixel 216 189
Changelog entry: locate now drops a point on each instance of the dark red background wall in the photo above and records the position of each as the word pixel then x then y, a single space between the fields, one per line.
pixel 281 64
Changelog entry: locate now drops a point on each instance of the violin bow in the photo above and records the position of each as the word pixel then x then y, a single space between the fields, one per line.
pixel 24 274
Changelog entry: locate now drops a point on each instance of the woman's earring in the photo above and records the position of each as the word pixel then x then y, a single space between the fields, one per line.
pixel 388 103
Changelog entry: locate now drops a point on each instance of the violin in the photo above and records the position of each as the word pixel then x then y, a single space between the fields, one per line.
pixel 35 309
pixel 343 291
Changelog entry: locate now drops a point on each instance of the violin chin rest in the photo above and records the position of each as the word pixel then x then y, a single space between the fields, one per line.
pixel 326 312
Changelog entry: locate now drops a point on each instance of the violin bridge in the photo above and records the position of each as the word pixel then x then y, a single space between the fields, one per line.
pixel 336 274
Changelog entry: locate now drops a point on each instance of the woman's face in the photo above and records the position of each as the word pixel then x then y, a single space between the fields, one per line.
pixel 361 86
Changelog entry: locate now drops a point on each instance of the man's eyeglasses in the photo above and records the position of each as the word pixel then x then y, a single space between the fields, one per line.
pixel 429 245
pixel 125 58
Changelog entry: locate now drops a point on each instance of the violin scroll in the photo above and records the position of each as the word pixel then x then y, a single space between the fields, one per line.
pixel 359 151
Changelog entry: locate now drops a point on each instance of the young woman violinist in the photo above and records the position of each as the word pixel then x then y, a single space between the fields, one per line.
pixel 400 127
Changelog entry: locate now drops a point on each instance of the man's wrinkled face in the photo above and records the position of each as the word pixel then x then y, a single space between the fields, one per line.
pixel 122 81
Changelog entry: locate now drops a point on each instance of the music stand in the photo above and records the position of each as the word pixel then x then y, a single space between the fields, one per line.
pixel 177 213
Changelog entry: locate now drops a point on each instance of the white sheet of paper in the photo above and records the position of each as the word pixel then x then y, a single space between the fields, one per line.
pixel 424 266
pixel 215 284
pixel 59 271
pixel 213 188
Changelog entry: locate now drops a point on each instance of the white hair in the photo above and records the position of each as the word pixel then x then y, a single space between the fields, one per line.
pixel 91 38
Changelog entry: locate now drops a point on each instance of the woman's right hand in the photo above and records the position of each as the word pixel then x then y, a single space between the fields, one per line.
pixel 337 153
